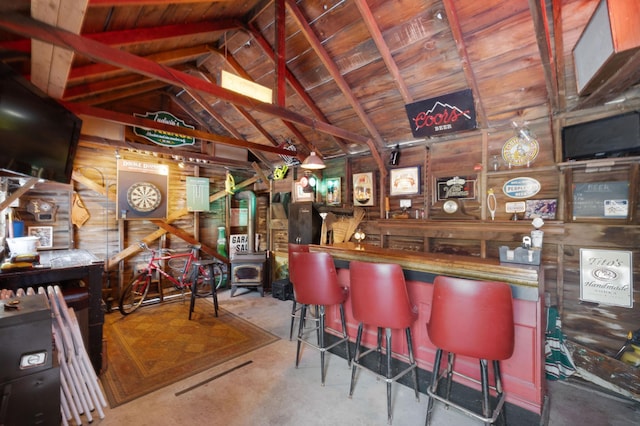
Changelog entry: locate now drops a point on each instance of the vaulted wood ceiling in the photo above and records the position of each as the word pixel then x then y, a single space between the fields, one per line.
pixel 342 70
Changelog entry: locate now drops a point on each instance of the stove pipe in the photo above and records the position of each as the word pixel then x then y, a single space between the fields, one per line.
pixel 251 217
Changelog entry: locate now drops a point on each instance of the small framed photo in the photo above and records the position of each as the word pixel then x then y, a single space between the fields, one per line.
pixel 299 193
pixel 405 181
pixel 545 209
pixel 44 234
pixel 363 194
pixel 334 191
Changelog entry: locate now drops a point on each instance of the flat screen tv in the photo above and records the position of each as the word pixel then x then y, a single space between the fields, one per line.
pixel 617 136
pixel 38 136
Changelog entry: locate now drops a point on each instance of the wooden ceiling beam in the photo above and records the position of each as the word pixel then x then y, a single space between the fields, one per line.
pixel 142 35
pixel 145 86
pixel 331 66
pixel 244 74
pixel 295 84
pixel 170 58
pixel 50 64
pixel 28 27
pixel 240 110
pixel 543 38
pixel 122 3
pixel 134 121
pixel 205 105
pixel 454 24
pixel 376 36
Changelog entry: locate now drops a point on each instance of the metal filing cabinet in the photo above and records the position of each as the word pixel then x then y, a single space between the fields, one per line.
pixel 29 374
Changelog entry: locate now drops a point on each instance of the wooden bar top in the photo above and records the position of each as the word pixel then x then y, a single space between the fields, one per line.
pixel 437 263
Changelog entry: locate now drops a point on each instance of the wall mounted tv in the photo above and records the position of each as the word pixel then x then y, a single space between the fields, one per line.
pixel 38 136
pixel 617 136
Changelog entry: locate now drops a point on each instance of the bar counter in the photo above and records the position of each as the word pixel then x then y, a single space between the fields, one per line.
pixel 523 373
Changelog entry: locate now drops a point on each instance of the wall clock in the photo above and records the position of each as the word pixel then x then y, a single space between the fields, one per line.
pixel 450 206
pixel 518 151
pixel 144 197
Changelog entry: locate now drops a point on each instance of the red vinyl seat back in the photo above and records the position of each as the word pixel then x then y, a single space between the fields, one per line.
pixel 314 278
pixel 379 295
pixel 296 248
pixel 472 318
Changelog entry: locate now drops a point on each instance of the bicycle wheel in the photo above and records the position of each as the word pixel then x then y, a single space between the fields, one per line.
pixel 203 287
pixel 135 293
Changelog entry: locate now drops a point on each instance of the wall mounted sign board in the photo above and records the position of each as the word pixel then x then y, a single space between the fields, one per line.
pixel 164 138
pixel 459 187
pixel 405 181
pixel 197 194
pixel 445 114
pixel 602 200
pixel 606 277
pixel 521 187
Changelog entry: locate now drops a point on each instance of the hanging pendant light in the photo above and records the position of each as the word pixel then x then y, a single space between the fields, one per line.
pixel 313 162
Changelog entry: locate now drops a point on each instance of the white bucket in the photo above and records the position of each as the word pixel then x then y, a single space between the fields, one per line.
pixel 23 245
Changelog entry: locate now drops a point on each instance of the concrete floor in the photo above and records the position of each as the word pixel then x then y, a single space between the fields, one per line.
pixel 264 388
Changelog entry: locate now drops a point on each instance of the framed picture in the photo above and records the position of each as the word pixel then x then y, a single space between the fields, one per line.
pixel 334 191
pixel 545 209
pixel 44 234
pixel 405 181
pixel 363 194
pixel 300 195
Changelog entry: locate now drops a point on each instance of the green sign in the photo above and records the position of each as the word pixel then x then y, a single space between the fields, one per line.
pixel 161 137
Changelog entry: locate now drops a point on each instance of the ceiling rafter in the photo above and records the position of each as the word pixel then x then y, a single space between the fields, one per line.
pixel 375 143
pixel 294 83
pixel 454 24
pixel 543 38
pixel 243 112
pixel 206 145
pixel 131 120
pixel 244 74
pixel 111 3
pixel 25 26
pixel 170 58
pixel 50 65
pixel 376 35
pixel 147 85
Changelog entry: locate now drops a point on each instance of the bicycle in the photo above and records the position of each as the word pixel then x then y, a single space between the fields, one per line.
pixel 135 293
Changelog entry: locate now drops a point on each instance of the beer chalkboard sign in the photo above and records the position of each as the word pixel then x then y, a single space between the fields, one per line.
pixel 604 200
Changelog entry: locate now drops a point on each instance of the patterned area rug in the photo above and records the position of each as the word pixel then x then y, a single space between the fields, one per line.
pixel 158 345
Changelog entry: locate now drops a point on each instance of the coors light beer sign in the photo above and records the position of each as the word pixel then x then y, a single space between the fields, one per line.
pixel 442 115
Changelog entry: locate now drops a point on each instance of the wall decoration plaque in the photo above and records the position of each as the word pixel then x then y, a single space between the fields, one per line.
pixel 606 277
pixel 363 194
pixel 405 181
pixel 458 187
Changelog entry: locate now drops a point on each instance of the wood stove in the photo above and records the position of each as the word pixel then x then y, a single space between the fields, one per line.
pixel 248 268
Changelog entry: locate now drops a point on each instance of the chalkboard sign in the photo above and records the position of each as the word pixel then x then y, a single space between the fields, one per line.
pixel 605 200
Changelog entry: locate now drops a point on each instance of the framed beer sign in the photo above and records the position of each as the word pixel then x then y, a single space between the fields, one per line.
pixel 444 114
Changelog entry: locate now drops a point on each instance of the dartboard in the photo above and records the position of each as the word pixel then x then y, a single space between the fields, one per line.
pixel 144 197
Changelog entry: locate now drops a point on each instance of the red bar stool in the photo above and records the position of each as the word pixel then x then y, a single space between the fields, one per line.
pixel 315 282
pixel 379 298
pixel 473 319
pixel 295 309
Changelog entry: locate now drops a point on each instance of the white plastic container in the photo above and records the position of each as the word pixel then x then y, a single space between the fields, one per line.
pixel 23 245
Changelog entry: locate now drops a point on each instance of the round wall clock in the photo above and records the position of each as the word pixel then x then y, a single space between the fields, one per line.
pixel 144 197
pixel 450 206
pixel 518 151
